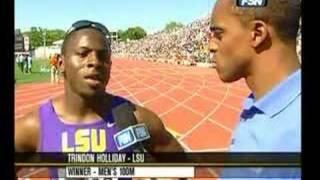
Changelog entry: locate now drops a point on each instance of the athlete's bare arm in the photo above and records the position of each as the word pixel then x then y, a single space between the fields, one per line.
pixel 27 133
pixel 161 140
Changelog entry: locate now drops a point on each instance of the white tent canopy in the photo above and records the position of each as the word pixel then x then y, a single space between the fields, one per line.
pixel 58 43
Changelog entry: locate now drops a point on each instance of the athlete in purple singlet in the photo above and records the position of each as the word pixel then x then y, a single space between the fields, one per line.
pixel 95 136
pixel 81 119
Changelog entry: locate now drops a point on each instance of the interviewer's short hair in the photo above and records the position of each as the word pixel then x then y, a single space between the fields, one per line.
pixel 283 15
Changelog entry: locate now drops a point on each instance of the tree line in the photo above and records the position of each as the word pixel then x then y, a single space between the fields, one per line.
pixel 38 35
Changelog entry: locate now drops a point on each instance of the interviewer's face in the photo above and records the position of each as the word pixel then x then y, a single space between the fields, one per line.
pixel 230 43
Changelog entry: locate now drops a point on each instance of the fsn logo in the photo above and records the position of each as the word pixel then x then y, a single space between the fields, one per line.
pixel 251 3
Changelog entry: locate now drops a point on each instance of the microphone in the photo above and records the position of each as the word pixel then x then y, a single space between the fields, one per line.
pixel 130 136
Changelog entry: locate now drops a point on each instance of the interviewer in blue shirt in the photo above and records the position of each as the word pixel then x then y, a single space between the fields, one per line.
pixel 259 44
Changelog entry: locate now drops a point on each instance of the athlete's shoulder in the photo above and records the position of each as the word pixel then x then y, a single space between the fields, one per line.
pixel 117 100
pixel 161 140
pixel 150 119
pixel 27 131
pixel 145 115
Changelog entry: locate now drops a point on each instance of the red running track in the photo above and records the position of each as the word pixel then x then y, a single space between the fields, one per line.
pixel 199 109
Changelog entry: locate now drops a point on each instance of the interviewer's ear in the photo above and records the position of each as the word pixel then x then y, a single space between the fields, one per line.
pixel 259 33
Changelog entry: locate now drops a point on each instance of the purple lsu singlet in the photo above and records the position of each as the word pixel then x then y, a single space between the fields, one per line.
pixel 59 136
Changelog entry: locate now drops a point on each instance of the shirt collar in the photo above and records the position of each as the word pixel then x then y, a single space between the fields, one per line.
pixel 279 97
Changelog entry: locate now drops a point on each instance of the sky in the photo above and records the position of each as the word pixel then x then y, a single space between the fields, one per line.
pixel 152 15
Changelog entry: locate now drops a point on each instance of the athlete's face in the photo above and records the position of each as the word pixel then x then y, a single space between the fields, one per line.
pixel 87 62
pixel 230 43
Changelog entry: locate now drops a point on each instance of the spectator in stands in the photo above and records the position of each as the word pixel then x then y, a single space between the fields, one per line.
pixel 165 46
pixel 191 40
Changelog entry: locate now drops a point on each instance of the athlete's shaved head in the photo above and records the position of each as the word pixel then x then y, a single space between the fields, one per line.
pixel 65 43
pixel 283 15
pixel 70 37
pixel 88 25
pixel 86 61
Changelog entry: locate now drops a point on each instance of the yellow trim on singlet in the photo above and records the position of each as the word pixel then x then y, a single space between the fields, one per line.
pixel 174 133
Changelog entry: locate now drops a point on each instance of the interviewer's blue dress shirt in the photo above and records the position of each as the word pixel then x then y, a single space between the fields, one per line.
pixel 271 124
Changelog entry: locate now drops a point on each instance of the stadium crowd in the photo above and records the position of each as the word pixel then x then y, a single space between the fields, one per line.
pixel 187 45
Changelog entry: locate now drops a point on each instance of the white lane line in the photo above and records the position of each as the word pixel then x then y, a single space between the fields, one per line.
pixel 208 115
pixel 34 172
pixel 221 125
